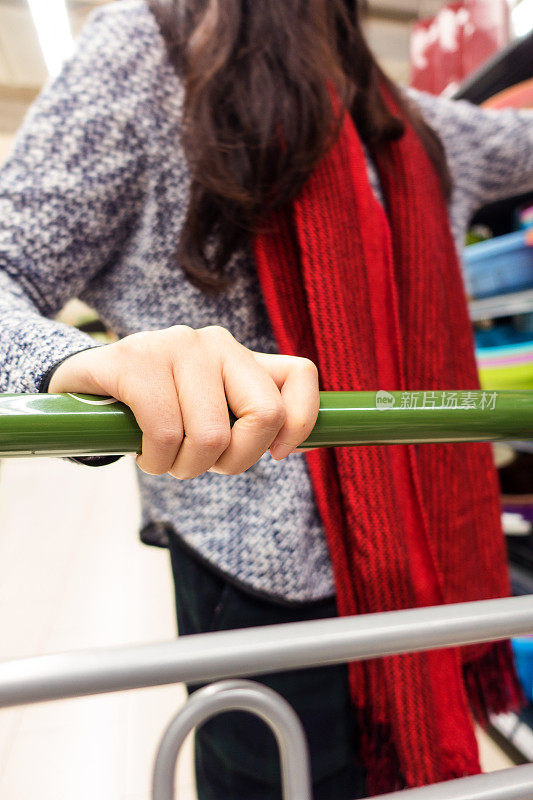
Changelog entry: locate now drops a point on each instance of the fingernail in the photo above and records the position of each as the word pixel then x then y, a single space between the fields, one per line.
pixel 281 451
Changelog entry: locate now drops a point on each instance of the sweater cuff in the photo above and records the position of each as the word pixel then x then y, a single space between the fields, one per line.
pixel 88 461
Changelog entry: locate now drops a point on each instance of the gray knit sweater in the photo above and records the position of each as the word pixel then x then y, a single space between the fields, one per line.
pixel 91 204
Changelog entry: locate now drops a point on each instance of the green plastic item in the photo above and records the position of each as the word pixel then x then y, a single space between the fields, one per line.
pixel 72 424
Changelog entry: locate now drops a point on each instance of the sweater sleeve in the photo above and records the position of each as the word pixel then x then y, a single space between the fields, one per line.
pixel 69 195
pixel 490 153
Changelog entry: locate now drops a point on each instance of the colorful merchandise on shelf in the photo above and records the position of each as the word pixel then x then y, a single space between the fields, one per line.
pixel 478 233
pixel 501 335
pixel 523 651
pixel 515 524
pixel 518 96
pixel 503 264
pixel 507 366
pixel 525 216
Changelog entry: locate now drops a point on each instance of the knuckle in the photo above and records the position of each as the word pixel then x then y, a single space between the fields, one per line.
pixel 135 343
pixel 308 366
pixel 270 415
pixel 182 331
pixel 216 331
pixel 166 436
pixel 212 439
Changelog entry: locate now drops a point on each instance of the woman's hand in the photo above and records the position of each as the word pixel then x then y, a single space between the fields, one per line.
pixel 179 383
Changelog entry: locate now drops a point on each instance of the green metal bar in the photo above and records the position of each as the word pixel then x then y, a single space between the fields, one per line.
pixel 70 424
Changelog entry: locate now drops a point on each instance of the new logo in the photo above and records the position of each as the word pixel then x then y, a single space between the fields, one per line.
pixel 384 400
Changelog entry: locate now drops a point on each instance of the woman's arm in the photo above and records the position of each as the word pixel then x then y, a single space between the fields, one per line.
pixel 69 194
pixel 490 153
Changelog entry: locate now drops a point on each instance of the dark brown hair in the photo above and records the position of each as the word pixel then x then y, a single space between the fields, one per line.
pixel 257 110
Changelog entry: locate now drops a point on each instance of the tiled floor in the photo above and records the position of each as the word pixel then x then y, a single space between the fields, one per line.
pixel 74 575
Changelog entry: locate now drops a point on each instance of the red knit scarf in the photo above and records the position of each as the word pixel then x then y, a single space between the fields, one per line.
pixel 377 302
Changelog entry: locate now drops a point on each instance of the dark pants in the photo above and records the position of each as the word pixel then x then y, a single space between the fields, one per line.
pixel 236 753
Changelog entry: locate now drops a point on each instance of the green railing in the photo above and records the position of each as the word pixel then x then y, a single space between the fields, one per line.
pixel 63 425
pixel 70 424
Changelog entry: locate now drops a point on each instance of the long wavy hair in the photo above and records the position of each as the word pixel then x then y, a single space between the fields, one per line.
pixel 257 112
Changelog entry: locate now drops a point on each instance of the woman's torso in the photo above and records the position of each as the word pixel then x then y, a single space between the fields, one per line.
pixel 261 528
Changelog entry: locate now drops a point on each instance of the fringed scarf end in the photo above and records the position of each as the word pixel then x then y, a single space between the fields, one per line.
pixel 492 683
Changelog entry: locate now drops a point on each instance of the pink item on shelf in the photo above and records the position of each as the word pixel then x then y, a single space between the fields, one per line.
pixel 525 218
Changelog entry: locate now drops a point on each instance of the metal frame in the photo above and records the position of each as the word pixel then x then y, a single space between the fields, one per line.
pixel 257 651
pixel 344 419
pixel 206 657
pixel 238 696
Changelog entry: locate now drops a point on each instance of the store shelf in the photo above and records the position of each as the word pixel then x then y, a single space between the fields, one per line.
pixel 510 66
pixel 520 551
pixel 517 731
pixel 521 580
pixel 522 447
pixel 503 305
pixel 500 216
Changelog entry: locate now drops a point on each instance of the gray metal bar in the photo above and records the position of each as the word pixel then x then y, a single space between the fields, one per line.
pixel 238 696
pixel 506 784
pixel 504 305
pixel 257 651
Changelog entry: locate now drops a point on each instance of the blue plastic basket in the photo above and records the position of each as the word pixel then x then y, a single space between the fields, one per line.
pixel 523 651
pixel 503 264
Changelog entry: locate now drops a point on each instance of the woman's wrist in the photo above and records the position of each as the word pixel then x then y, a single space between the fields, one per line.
pixel 47 381
pixel 46 386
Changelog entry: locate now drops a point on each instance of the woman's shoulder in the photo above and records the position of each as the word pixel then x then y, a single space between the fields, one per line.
pixel 123 41
pixel 122 17
pixel 463 125
pixel 449 118
pixel 121 59
pixel 490 153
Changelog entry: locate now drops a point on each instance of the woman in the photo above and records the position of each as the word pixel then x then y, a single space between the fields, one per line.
pixel 226 180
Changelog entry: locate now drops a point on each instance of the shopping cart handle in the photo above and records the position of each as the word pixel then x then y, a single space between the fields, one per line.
pixel 75 424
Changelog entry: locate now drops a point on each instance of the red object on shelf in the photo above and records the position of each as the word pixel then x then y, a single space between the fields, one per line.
pixel 449 46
